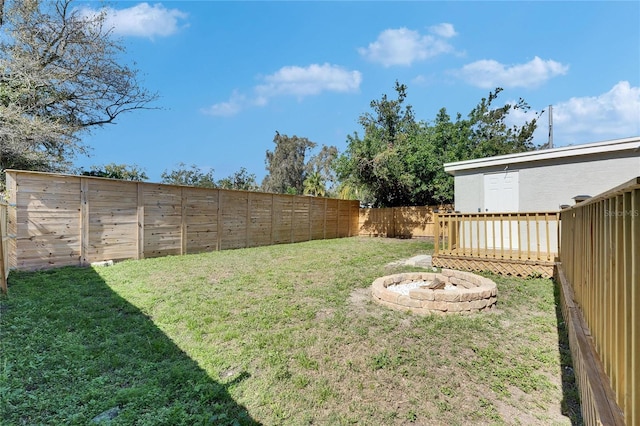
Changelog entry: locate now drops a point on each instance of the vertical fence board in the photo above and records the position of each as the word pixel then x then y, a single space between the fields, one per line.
pixel 48 228
pixel 633 384
pixel 140 220
pixel 63 220
pixel 234 219
pixel 162 220
pixel 109 220
pixel 599 257
pixel 4 264
pixel 400 222
pixel 260 223
pixel 12 220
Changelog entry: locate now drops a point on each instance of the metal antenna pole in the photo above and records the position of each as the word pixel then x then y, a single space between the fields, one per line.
pixel 550 143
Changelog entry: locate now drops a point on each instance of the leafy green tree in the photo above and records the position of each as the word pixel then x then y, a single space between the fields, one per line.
pixel 374 163
pixel 286 165
pixel 314 185
pixel 400 161
pixel 61 76
pixel 323 163
pixel 240 180
pixel 490 135
pixel 189 176
pixel 117 171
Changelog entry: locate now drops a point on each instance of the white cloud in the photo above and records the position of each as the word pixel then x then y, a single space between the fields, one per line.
pixel 403 46
pixel 611 115
pixel 614 114
pixel 227 109
pixel 292 81
pixel 489 74
pixel 312 80
pixel 445 30
pixel 142 20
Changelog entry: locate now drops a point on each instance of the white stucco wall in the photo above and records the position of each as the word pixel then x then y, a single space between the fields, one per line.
pixel 547 184
pixel 469 193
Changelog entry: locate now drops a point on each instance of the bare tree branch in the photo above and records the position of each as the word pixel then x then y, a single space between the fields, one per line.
pixel 60 75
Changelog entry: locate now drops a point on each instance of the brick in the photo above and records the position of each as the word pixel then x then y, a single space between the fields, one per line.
pixel 409 302
pixel 389 296
pixel 458 306
pixel 376 291
pixel 478 304
pixel 428 304
pixel 461 275
pixel 451 296
pixel 475 280
pixel 421 294
pixel 413 276
pixel 467 284
pixel 439 296
pixel 466 294
pixel 440 306
pixel 447 272
pixel 428 276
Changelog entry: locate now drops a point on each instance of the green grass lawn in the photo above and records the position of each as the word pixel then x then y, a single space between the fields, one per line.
pixel 284 334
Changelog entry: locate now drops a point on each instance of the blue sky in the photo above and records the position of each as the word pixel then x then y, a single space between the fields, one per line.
pixel 229 74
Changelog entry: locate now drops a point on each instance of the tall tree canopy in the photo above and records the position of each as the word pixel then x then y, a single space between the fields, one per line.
pixel 189 176
pixel 117 171
pixel 240 180
pixel 288 168
pixel 399 161
pixel 286 164
pixel 374 164
pixel 60 76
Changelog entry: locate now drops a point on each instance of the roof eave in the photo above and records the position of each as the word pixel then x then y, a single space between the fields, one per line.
pixel 626 144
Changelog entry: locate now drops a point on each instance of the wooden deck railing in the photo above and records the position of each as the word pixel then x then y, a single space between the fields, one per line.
pixel 600 262
pixel 523 240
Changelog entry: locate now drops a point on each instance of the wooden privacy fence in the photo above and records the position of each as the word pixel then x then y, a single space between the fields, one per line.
pixel 75 220
pixel 4 258
pixel 507 243
pixel 599 275
pixel 398 222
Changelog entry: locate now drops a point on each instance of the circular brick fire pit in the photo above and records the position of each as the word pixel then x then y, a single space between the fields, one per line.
pixel 428 292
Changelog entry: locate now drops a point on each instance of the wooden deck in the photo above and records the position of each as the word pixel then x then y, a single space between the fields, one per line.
pixel 507 263
pixel 522 244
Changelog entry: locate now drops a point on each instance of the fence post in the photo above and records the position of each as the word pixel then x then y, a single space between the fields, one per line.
pixel 183 222
pixel 219 221
pixel 140 213
pixel 436 228
pixel 3 262
pixel 84 220
pixel 248 225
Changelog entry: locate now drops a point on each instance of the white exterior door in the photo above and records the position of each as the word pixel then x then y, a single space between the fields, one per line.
pixel 501 196
pixel 501 192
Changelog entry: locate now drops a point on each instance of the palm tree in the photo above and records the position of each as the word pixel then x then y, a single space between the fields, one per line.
pixel 314 185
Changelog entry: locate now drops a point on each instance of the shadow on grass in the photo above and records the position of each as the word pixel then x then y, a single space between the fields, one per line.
pixel 570 392
pixel 73 351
